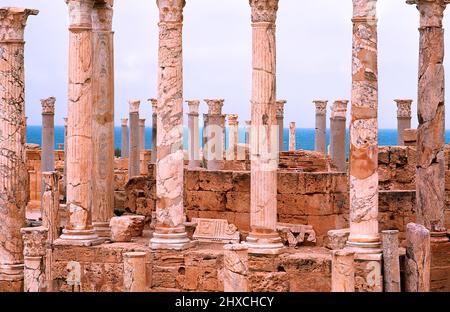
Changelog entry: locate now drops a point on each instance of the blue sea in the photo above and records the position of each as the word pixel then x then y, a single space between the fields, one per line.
pixel 305 137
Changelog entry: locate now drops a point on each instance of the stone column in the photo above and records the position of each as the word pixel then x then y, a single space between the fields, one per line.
pixel 193 135
pixel 292 137
pixel 342 271
pixel 364 128
pixel 320 141
pixel 154 129
pixel 233 137
pixel 391 262
pixel 235 268
pixel 48 134
pixel 248 128
pixel 263 237
pixel 103 119
pixel 134 272
pixel 79 229
pixel 403 119
pixel 214 133
pixel 124 146
pixel 13 169
pixel 280 122
pixel 170 232
pixel 65 157
pixel 418 258
pixel 135 147
pixel 430 177
pixel 338 134
pixel 142 134
pixel 34 250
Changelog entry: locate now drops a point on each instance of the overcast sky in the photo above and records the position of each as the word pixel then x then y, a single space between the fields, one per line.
pixel 313 55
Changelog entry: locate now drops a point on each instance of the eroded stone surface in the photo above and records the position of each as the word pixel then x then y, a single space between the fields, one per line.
pixel 418 258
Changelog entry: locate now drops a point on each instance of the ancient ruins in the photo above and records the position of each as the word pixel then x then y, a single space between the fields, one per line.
pixel 252 216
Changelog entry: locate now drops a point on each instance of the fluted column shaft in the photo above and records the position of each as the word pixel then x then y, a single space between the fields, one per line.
pixel 13 169
pixel 124 137
pixel 214 133
pixel 193 135
pixel 364 128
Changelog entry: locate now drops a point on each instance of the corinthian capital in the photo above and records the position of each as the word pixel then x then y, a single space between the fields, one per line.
pixel 171 10
pixel 321 107
pixel 403 108
pixel 215 106
pixel 13 22
pixel 264 10
pixel 80 13
pixel 48 106
pixel 102 16
pixel 431 11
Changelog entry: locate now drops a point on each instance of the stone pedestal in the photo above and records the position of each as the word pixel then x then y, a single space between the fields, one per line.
pixel 280 122
pixel 14 175
pixel 35 241
pixel 235 268
pixel 193 134
pixel 338 134
pixel 214 133
pixel 135 152
pixel 134 272
pixel 320 141
pixel 292 137
pixel 80 156
pixel 154 128
pixel 233 137
pixel 403 119
pixel 391 262
pixel 170 232
pixel 124 138
pixel 342 271
pixel 418 258
pixel 103 119
pixel 364 128
pixel 142 134
pixel 430 177
pixel 264 150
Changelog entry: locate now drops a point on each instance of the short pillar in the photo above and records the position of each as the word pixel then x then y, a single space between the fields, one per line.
pixel 391 262
pixel 342 271
pixel 418 258
pixel 235 263
pixel 34 250
pixel 134 272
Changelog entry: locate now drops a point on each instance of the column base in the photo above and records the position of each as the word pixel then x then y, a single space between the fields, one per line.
pixel 11 272
pixel 264 243
pixel 102 229
pixel 165 238
pixel 79 238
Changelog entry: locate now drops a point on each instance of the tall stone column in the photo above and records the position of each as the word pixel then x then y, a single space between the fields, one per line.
pixel 80 156
pixel 430 177
pixel 338 134
pixel 154 129
pixel 135 147
pixel 170 232
pixel 214 133
pixel 248 128
pixel 142 134
pixel 292 137
pixel 13 169
pixel 124 137
pixel 65 157
pixel 48 134
pixel 263 237
pixel 403 119
pixel 193 134
pixel 233 137
pixel 320 141
pixel 280 122
pixel 364 128
pixel 103 119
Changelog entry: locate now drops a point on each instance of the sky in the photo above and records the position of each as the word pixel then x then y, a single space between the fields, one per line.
pixel 313 55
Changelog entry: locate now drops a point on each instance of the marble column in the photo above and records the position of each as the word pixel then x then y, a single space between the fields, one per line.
pixel 235 268
pixel 338 128
pixel 233 137
pixel 48 134
pixel 103 119
pixel 342 271
pixel 65 157
pixel 403 119
pixel 134 272
pixel 34 251
pixel 320 141
pixel 280 122
pixel 13 169
pixel 214 133
pixel 193 134
pixel 135 147
pixel 142 134
pixel 391 262
pixel 80 156
pixel 170 232
pixel 154 129
pixel 124 144
pixel 263 237
pixel 430 177
pixel 363 161
pixel 292 137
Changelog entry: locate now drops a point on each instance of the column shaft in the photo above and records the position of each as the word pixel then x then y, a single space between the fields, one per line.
pixel 134 154
pixel 338 134
pixel 233 137
pixel 154 129
pixel 193 135
pixel 292 137
pixel 124 137
pixel 48 135
pixel 280 122
pixel 320 141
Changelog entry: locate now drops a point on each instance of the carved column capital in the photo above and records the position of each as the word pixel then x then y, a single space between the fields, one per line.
pixel 431 11
pixel 80 13
pixel 13 22
pixel 339 109
pixel 134 106
pixel 142 122
pixel 154 103
pixel 233 119
pixel 171 11
pixel 215 106
pixel 102 16
pixel 124 122
pixel 48 106
pixel 193 106
pixel 321 107
pixel 264 10
pixel 280 108
pixel 403 108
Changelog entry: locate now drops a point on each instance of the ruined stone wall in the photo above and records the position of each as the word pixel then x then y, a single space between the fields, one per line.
pixel 397 168
pixel 307 161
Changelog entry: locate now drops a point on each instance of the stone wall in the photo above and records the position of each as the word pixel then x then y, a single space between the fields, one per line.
pixel 307 161
pixel 397 168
